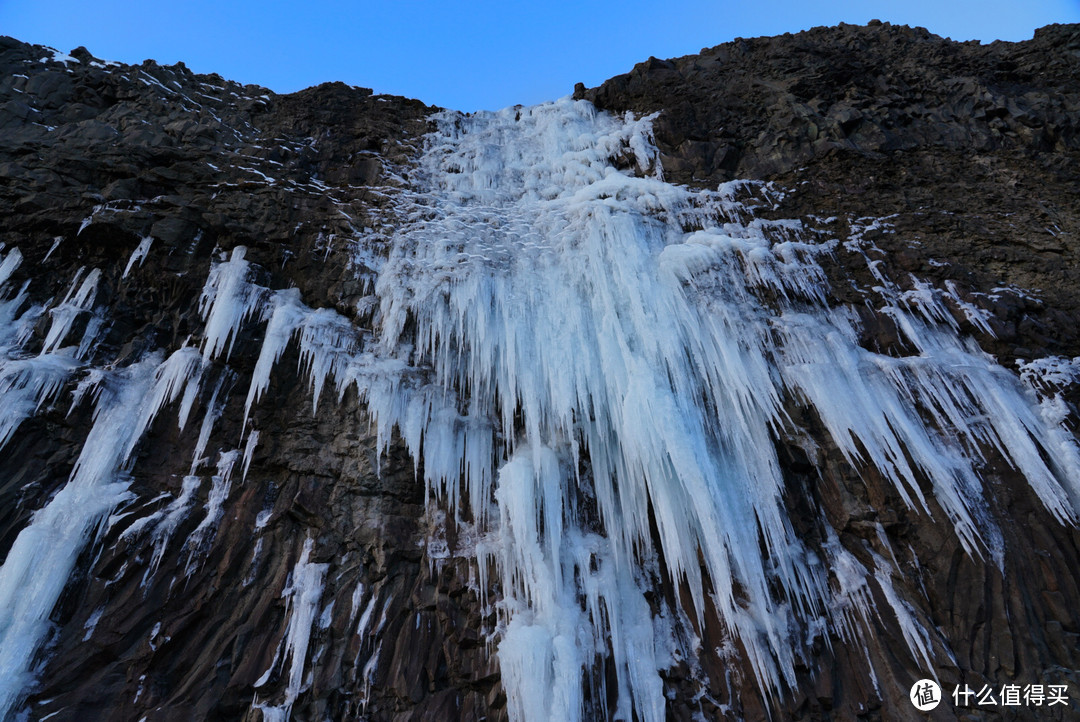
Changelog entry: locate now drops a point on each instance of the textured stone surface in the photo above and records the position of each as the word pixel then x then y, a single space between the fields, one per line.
pixel 101 156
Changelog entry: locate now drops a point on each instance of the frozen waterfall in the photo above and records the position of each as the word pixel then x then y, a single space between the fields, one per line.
pixel 591 367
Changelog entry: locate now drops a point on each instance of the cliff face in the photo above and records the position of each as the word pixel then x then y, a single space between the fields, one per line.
pixel 969 150
pixel 271 556
pixel 97 158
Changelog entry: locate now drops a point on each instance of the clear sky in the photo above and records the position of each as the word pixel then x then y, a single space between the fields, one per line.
pixel 469 55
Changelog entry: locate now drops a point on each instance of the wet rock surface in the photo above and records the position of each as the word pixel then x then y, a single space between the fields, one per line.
pixel 952 163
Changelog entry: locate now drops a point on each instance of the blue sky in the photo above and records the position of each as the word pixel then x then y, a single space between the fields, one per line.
pixel 468 55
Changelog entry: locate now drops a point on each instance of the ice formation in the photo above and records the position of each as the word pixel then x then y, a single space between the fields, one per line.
pixel 43 555
pixel 564 309
pixel 138 255
pixel 590 366
pixel 302 593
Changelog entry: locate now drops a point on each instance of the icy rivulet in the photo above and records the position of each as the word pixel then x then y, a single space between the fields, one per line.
pixel 590 366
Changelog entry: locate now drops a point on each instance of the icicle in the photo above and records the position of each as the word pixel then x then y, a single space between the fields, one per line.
pixel 227 301
pixel 220 484
pixel 303 594
pixel 356 599
pixel 95 325
pixel 55 244
pixel 261 521
pixel 566 303
pixel 28 384
pixel 12 260
pixel 914 633
pixel 540 655
pixel 210 417
pixel 138 255
pixel 74 303
pixel 164 523
pixel 249 452
pixel 286 314
pixel 540 306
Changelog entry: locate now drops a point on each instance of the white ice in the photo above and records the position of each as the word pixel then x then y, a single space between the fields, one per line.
pixel 77 301
pixel 138 255
pixel 302 594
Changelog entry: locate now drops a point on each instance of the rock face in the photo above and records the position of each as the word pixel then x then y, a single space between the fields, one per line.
pixel 968 150
pixel 286 560
pixel 97 157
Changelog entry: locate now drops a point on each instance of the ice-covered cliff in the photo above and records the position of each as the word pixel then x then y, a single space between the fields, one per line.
pixel 750 392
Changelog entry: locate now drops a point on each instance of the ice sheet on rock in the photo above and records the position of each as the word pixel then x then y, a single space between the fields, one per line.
pixel 1050 373
pixel 92 622
pixel 853 603
pixel 303 593
pixel 980 318
pixel 327 615
pixel 261 520
pixel 163 523
pixel 220 484
pixel 76 301
pixel 43 555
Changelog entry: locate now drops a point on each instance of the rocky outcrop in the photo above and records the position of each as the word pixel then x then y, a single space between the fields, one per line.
pixel 766 106
pixel 930 161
